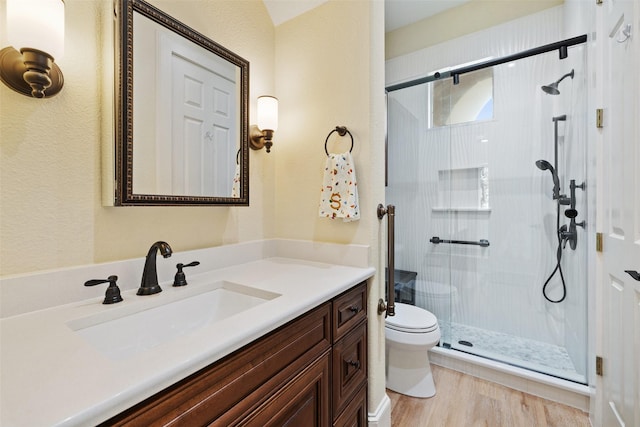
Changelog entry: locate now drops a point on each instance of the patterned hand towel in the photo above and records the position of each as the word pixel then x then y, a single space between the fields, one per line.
pixel 235 189
pixel 339 194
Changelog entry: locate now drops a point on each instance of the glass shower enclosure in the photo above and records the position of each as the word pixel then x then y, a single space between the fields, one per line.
pixel 487 171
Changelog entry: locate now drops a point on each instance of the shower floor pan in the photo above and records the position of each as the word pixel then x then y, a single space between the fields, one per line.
pixel 533 355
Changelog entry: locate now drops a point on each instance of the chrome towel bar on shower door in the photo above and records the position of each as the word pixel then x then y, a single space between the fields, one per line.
pixel 390 306
pixel 482 242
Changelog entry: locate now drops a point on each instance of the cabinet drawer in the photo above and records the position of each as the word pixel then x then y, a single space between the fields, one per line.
pixel 348 310
pixel 229 389
pixel 349 366
pixel 355 414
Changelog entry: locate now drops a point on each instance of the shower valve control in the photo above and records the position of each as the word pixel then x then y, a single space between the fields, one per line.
pixel 572 213
pixel 568 235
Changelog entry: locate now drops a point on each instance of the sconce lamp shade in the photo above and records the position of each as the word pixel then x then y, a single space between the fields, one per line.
pixel 261 135
pixel 36 24
pixel 267 114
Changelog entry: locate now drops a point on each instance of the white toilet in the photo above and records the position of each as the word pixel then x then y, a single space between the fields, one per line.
pixel 410 334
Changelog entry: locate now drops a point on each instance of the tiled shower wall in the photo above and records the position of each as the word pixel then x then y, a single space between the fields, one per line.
pixel 498 287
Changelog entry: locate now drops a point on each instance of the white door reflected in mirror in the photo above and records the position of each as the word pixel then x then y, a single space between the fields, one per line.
pixel 186 115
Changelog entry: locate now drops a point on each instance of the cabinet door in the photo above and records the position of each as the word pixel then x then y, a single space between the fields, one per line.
pixel 302 402
pixel 349 366
pixel 355 414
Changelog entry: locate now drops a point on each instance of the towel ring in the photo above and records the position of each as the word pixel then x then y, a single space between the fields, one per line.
pixel 342 131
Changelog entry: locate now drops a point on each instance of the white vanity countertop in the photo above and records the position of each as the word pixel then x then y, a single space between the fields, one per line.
pixel 51 376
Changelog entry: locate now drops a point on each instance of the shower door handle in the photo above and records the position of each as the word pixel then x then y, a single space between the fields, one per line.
pixel 390 306
pixel 634 274
pixel 482 242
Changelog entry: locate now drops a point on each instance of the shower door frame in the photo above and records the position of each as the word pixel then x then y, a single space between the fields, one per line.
pixel 560 46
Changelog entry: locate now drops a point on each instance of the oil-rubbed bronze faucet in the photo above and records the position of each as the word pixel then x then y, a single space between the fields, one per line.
pixel 150 284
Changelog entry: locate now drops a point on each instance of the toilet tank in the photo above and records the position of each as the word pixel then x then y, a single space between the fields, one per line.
pixel 441 299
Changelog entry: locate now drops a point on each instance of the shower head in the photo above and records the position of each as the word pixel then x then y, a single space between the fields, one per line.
pixel 544 165
pixel 552 89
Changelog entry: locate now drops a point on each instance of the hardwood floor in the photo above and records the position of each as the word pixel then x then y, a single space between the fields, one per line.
pixel 465 401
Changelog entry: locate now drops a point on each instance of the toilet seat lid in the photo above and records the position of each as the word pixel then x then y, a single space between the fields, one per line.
pixel 410 318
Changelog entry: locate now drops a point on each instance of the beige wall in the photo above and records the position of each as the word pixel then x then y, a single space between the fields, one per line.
pixel 322 80
pixel 330 71
pixel 458 21
pixel 51 214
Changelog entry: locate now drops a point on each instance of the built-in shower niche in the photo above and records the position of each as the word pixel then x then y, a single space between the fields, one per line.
pixel 463 189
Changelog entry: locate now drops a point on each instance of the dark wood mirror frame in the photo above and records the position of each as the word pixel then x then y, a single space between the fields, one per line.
pixel 124 195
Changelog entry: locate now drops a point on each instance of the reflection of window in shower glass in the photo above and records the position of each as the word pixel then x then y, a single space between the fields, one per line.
pixel 469 101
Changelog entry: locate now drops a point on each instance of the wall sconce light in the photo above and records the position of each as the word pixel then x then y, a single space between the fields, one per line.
pixel 36 28
pixel 262 134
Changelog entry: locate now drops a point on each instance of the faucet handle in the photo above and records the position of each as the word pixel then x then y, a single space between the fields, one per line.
pixel 112 294
pixel 180 279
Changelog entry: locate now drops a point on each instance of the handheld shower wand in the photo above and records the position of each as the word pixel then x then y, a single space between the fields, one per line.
pixel 545 165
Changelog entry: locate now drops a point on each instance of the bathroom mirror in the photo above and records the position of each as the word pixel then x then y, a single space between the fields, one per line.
pixel 182 114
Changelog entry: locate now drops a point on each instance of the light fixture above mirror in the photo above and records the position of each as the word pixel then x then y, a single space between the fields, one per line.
pixel 35 30
pixel 267 118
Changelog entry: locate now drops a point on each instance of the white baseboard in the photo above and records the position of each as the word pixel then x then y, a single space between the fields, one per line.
pixel 381 417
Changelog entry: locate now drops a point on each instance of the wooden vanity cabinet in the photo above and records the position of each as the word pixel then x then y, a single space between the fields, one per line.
pixel 310 372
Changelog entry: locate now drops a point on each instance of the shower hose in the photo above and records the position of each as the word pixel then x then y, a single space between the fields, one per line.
pixel 558 268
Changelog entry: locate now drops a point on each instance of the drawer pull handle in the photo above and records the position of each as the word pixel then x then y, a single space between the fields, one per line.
pixel 355 364
pixel 354 309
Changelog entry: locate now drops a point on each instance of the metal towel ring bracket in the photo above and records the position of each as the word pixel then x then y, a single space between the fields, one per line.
pixel 342 131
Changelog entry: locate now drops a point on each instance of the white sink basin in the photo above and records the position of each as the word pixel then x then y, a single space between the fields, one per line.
pixel 128 330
